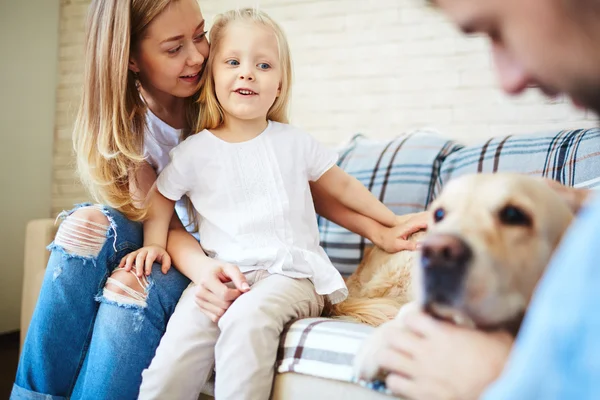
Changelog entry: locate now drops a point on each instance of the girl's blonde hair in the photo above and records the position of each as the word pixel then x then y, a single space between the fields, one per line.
pixel 211 113
pixel 108 134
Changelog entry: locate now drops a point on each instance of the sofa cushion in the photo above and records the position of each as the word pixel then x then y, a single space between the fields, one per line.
pixel 400 172
pixel 571 157
pixel 321 347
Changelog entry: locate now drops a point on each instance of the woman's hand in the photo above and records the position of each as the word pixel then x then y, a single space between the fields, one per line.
pixel 213 296
pixel 395 239
pixel 429 359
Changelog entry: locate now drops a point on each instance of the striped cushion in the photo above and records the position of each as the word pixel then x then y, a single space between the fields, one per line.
pixel 401 172
pixel 321 347
pixel 571 157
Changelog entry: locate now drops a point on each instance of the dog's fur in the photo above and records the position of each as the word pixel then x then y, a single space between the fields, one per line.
pixel 509 223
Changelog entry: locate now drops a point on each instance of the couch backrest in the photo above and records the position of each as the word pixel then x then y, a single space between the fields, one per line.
pixel 571 157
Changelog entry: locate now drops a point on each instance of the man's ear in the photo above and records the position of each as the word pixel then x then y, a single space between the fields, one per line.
pixel 575 198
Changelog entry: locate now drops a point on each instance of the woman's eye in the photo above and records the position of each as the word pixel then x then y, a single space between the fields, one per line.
pixel 200 37
pixel 174 50
pixel 233 62
pixel 264 66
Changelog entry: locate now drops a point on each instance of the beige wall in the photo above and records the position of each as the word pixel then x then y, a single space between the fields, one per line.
pixel 378 67
pixel 28 44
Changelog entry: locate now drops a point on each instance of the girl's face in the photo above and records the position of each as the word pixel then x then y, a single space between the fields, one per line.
pixel 171 54
pixel 247 71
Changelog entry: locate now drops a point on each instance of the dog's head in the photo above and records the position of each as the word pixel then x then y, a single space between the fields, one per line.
pixel 489 240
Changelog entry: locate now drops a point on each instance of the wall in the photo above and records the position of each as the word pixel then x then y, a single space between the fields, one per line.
pixel 28 76
pixel 379 67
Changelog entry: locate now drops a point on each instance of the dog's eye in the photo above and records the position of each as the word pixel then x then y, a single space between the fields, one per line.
pixel 439 214
pixel 511 215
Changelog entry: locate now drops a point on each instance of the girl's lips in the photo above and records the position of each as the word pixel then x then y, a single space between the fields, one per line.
pixel 245 92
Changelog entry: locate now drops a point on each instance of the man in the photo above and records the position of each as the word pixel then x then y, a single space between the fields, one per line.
pixel 553 45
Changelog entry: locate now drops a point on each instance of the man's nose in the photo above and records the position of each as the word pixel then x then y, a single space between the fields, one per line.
pixel 513 78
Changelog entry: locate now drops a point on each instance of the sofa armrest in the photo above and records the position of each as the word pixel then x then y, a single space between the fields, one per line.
pixel 38 234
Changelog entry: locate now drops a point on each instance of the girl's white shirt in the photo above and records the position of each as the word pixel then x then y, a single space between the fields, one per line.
pixel 254 202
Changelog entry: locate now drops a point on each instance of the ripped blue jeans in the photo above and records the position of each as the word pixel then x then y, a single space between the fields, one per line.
pixel 86 341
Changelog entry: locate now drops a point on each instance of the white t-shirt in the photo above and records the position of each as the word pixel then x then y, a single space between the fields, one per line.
pixel 159 139
pixel 254 202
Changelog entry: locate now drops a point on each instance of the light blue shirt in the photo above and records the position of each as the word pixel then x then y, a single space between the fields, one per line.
pixel 557 353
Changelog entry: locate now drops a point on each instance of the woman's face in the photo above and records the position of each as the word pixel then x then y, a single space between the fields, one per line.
pixel 172 51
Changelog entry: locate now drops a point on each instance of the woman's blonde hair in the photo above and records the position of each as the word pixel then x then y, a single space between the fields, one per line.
pixel 108 134
pixel 211 113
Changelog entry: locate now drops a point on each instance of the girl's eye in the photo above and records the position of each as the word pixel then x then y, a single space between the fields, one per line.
pixel 233 62
pixel 264 66
pixel 174 50
pixel 200 37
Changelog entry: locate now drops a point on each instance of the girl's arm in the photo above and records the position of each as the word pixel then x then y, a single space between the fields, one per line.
pixel 391 240
pixel 186 252
pixel 184 248
pixel 331 208
pixel 351 193
pixel 189 257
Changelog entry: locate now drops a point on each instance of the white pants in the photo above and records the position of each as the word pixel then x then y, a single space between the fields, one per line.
pixel 242 347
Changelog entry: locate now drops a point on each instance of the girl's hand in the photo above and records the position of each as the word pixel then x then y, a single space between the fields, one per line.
pixel 144 258
pixel 395 239
pixel 430 359
pixel 213 296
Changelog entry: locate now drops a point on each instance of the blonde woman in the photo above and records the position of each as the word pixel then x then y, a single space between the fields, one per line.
pixel 247 174
pixel 96 327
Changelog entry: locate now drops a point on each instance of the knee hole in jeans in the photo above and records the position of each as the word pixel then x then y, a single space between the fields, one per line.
pixel 125 287
pixel 83 233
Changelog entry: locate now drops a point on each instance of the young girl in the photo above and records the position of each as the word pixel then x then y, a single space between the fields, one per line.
pixel 247 175
pixel 96 327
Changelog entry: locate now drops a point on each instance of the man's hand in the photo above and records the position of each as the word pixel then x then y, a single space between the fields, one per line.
pixel 422 358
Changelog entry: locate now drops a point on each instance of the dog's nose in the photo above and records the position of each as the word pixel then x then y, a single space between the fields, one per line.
pixel 445 251
pixel 444 259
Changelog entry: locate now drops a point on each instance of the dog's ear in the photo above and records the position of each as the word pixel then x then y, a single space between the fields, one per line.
pixel 575 198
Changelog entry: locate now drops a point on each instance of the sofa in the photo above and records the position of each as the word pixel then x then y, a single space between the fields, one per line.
pixel 406 173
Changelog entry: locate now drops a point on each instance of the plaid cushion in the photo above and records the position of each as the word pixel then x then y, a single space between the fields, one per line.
pixel 571 157
pixel 321 347
pixel 401 172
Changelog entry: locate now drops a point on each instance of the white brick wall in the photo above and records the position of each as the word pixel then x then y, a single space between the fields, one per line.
pixel 65 186
pixel 374 66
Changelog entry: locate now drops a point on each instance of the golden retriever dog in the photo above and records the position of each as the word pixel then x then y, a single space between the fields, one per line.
pixel 489 240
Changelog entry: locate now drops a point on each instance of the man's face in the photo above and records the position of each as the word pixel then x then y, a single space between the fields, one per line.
pixel 550 44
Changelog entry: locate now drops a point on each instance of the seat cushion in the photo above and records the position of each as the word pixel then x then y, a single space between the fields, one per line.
pixel 321 347
pixel 401 172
